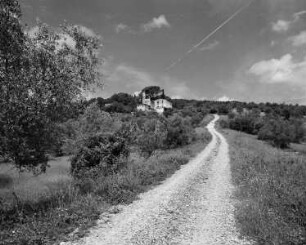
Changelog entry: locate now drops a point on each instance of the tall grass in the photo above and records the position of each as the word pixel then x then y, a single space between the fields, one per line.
pixel 271 189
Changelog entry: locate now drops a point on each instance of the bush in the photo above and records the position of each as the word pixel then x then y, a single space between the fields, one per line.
pixel 152 137
pixel 224 123
pixel 99 155
pixel 297 130
pixel 94 121
pixel 179 132
pixel 277 132
pixel 248 123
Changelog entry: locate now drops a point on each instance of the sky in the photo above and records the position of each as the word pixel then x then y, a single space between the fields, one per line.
pixel 259 55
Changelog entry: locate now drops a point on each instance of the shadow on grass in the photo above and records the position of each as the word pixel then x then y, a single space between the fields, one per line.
pixel 5 181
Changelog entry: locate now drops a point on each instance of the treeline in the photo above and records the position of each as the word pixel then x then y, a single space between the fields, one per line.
pixel 280 130
pixel 279 124
pixel 126 103
pixel 284 110
pixel 149 130
pixel 117 103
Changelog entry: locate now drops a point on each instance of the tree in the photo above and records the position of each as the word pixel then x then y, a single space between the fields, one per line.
pixel 277 131
pixel 152 90
pixel 100 154
pixel 41 76
pixel 179 132
pixel 152 136
pixel 92 122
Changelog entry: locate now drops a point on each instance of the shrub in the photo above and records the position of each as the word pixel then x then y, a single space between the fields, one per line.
pixel 94 121
pixel 152 137
pixel 224 123
pixel 297 130
pixel 179 132
pixel 277 132
pixel 247 123
pixel 99 154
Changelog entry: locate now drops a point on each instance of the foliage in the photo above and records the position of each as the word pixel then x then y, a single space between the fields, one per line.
pixel 117 103
pixel 152 90
pixel 102 173
pixel 277 132
pixel 249 123
pixel 180 132
pixel 41 75
pixel 285 111
pixel 275 129
pixel 100 155
pixel 224 123
pixel 151 136
pixel 92 122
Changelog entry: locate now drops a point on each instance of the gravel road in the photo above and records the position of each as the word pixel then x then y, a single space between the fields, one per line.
pixel 194 206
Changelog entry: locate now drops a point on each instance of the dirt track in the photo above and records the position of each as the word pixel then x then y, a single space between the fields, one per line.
pixel 194 206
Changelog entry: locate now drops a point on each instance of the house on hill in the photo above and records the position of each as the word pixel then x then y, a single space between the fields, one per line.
pixel 154 99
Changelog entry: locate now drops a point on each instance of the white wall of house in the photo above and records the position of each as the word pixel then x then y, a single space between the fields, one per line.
pixel 158 105
pixel 162 103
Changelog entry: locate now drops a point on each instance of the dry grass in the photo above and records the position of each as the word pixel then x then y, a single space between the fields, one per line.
pixel 271 189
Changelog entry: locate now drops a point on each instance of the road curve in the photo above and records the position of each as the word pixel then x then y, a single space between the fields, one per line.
pixel 194 206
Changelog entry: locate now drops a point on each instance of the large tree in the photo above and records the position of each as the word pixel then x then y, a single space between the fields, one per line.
pixel 42 73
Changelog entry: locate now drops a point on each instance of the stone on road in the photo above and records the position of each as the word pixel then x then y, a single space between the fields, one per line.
pixel 193 206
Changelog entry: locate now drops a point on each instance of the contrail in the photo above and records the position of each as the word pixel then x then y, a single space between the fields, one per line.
pixel 208 36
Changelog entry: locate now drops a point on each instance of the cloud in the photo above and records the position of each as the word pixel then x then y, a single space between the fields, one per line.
pixel 177 89
pixel 156 23
pixel 121 27
pixel 210 46
pixel 283 70
pixel 136 93
pixel 298 40
pixel 281 26
pixel 87 31
pixel 224 98
pixel 131 79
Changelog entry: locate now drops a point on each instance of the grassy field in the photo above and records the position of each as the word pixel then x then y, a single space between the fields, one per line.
pixel 271 190
pixel 298 148
pixel 28 186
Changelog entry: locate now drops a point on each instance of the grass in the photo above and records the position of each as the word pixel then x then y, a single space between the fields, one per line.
pixel 271 190
pixel 29 187
pixel 298 148
pixel 46 209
